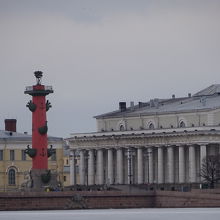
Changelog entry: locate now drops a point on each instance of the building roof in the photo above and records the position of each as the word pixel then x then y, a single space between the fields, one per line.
pixel 204 100
pixel 211 90
pixel 9 135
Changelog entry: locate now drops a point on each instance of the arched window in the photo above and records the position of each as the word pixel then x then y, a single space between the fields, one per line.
pixel 121 128
pixel 11 177
pixel 182 124
pixel 151 126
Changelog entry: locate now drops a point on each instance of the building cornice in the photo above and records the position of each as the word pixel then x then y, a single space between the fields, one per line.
pixel 180 136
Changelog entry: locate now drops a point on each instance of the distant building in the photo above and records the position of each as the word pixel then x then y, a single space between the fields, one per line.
pixel 67 159
pixel 162 141
pixel 15 164
pixel 66 168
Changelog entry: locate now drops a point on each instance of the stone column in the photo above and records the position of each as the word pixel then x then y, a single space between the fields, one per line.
pixel 110 167
pixel 140 165
pixel 91 170
pixel 100 167
pixel 130 165
pixel 170 163
pixel 202 156
pixel 150 165
pixel 192 164
pixel 119 166
pixel 160 165
pixel 182 177
pixel 82 168
pixel 72 168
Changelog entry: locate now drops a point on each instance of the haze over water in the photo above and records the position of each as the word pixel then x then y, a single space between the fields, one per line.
pixel 115 214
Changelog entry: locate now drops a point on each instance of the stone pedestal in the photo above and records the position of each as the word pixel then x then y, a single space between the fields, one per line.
pixel 42 179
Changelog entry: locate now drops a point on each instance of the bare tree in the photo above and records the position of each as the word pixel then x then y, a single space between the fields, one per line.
pixel 210 170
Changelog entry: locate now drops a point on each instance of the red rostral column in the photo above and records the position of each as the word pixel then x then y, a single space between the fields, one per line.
pixel 38 106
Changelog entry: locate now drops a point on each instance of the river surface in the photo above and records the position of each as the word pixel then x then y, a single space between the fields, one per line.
pixel 116 214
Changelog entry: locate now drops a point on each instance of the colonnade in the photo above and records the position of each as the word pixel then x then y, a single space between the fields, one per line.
pixel 137 165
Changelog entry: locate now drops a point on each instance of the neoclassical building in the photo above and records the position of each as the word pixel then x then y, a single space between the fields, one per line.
pixel 162 141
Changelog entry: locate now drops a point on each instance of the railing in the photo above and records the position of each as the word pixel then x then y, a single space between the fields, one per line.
pixel 29 88
pixel 48 88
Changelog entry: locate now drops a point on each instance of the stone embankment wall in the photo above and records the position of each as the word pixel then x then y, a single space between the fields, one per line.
pixel 196 198
pixel 109 199
pixel 74 200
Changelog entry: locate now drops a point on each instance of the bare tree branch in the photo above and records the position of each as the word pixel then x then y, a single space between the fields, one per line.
pixel 210 170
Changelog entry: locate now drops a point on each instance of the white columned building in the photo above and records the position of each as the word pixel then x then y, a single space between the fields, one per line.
pixel 202 156
pixel 170 164
pixel 163 141
pixel 100 168
pixel 140 165
pixel 160 165
pixel 119 166
pixel 91 168
pixel 182 175
pixel 192 164
pixel 110 167
pixel 82 167
pixel 150 165
pixel 72 168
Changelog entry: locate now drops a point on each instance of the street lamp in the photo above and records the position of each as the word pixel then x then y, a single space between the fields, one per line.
pixel 75 157
pixel 86 156
pixel 130 153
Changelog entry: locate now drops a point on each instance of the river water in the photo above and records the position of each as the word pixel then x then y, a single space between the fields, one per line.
pixel 116 214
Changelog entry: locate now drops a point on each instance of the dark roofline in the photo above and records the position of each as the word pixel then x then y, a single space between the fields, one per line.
pixel 12 136
pixel 119 113
pixel 207 92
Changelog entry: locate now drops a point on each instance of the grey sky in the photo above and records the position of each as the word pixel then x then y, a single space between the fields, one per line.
pixel 97 53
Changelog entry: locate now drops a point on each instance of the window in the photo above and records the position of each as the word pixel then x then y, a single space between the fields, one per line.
pixel 1 154
pixel 23 155
pixel 121 128
pixel 182 124
pixel 12 155
pixel 151 126
pixel 54 156
pixel 64 178
pixel 11 177
pixel 67 162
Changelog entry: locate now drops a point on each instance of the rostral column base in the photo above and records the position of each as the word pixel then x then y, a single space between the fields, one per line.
pixel 43 179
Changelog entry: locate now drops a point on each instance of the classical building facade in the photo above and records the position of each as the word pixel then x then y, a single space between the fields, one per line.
pixel 15 164
pixel 162 141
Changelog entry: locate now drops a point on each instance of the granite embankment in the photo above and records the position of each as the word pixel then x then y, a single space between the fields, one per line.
pixel 107 199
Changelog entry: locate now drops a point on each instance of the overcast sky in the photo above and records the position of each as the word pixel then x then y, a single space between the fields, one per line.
pixel 96 53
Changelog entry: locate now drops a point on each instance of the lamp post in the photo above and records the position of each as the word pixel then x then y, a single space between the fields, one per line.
pixel 86 156
pixel 74 156
pixel 130 153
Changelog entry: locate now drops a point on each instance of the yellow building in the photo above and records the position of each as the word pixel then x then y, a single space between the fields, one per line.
pixel 67 159
pixel 66 168
pixel 15 164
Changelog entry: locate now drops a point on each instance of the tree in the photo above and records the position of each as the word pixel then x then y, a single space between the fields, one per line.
pixel 210 170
